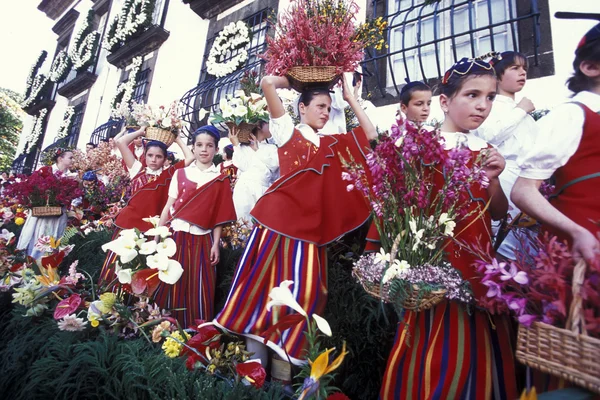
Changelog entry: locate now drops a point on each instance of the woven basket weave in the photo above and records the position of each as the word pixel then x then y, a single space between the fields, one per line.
pixel 46 211
pixel 244 130
pixel 568 353
pixel 303 78
pixel 412 303
pixel 161 135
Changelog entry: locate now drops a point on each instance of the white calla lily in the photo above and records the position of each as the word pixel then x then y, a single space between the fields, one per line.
pixel 171 273
pixel 167 247
pixel 282 296
pixel 152 220
pixel 148 247
pixel 322 324
pixel 161 231
pixel 124 276
pixel 157 261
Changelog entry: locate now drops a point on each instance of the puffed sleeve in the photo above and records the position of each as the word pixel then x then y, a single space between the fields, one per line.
pixel 501 123
pixel 281 129
pixel 558 139
pixel 267 153
pixel 241 157
pixel 174 185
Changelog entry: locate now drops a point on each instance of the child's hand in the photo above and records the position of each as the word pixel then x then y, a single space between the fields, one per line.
pixel 526 105
pixel 493 163
pixel 347 93
pixel 233 136
pixel 214 254
pixel 585 245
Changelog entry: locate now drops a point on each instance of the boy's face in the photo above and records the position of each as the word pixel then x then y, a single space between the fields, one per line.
pixel 418 107
pixel 513 79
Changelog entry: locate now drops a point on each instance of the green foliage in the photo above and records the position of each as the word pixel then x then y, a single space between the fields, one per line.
pixel 88 251
pixel 11 125
pixel 33 73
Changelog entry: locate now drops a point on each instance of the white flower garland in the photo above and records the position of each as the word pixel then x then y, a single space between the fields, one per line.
pixel 39 82
pixel 60 67
pixel 234 36
pixel 84 46
pixel 36 131
pixel 65 125
pixel 135 16
pixel 126 88
pixel 33 73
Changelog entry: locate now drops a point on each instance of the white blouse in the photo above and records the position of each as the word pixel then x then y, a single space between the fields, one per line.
pixel 200 177
pixel 508 128
pixel 137 167
pixel 559 135
pixel 260 165
pixel 282 129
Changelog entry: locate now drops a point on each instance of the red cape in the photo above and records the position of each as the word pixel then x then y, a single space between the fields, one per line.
pixel 312 203
pixel 210 205
pixel 147 201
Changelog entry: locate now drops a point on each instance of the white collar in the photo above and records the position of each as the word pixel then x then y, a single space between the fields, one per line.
pixel 451 140
pixel 591 100
pixel 153 172
pixel 212 168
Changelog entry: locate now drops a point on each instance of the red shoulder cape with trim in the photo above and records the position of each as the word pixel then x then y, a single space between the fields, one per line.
pixel 210 205
pixel 312 203
pixel 147 201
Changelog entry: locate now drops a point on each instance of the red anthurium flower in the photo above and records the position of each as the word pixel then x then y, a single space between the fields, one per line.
pixel 284 323
pixel 253 372
pixel 338 396
pixel 67 306
pixel 16 267
pixel 145 281
pixel 207 336
pixel 53 260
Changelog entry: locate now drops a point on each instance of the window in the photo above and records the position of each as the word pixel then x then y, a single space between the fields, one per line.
pixel 425 40
pixel 73 136
pixel 142 81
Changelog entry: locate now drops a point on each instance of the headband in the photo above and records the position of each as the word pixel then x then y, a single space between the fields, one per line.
pixel 469 65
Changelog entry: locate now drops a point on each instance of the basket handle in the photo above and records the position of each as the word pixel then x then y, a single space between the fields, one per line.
pixel 575 322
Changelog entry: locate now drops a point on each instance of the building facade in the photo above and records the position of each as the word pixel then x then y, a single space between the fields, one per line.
pixel 165 58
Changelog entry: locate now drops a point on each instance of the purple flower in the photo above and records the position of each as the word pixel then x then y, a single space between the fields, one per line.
pixel 527 319
pixel 517 305
pixel 518 276
pixel 494 290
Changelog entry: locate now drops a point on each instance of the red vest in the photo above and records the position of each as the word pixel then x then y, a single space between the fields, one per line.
pixel 295 153
pixel 577 181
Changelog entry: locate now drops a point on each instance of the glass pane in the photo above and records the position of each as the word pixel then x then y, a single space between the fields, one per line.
pixel 485 45
pixel 463 50
pixel 461 21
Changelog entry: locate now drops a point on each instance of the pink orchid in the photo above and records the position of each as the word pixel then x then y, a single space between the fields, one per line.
pixel 518 305
pixel 518 276
pixel 494 290
pixel 527 319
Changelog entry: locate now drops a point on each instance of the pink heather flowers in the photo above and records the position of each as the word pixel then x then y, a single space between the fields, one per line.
pixel 71 323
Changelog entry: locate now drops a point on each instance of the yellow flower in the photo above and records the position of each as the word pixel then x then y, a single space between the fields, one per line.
pixel 48 277
pixel 19 221
pixel 94 323
pixel 172 346
pixel 108 300
pixel 532 395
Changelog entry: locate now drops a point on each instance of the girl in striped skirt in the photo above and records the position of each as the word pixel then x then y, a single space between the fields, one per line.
pixel 199 203
pixel 448 352
pixel 303 211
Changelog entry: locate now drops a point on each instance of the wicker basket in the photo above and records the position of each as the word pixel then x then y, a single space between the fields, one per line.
pixel 244 130
pixel 303 78
pixel 161 135
pixel 46 211
pixel 412 303
pixel 566 353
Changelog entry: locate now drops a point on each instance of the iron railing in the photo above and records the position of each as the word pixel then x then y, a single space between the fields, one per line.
pixel 107 130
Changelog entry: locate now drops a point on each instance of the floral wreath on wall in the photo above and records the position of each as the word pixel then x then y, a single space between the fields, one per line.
pixel 234 36
pixel 31 139
pixel 125 89
pixel 35 82
pixel 66 124
pixel 133 19
pixel 85 45
pixel 60 67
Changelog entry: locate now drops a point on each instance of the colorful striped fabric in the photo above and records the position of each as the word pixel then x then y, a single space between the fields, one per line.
pixel 195 290
pixel 107 273
pixel 268 260
pixel 445 353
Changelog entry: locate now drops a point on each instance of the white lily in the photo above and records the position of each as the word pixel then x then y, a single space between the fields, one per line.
pixel 124 247
pixel 443 219
pixel 171 273
pixel 161 231
pixel 382 256
pixel 322 324
pixel 148 247
pixel 255 96
pixel 157 261
pixel 152 220
pixel 449 231
pixel 282 296
pixel 167 247
pixel 129 234
pixel 124 275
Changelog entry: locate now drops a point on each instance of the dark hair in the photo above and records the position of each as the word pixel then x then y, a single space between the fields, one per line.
pixel 91 144
pixel 509 58
pixel 160 145
pixel 228 151
pixel 308 95
pixel 588 52
pixel 456 82
pixel 59 153
pixel 411 87
pixel 171 157
pixel 104 140
pixel 207 130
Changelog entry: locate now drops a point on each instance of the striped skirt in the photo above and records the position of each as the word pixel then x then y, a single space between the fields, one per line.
pixel 107 274
pixel 445 353
pixel 194 292
pixel 268 260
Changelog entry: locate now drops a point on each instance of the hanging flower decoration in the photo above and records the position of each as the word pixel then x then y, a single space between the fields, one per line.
pixel 60 67
pixel 66 124
pixel 36 131
pixel 124 93
pixel 33 73
pixel 85 45
pixel 221 59
pixel 135 17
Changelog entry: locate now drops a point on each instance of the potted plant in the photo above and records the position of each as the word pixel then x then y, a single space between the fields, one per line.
pixel 242 111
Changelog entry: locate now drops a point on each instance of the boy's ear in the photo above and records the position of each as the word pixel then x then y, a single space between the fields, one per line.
pixel 403 108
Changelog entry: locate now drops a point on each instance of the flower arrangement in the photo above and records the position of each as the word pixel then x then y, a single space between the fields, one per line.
pixel 133 19
pixel 85 45
pixel 33 73
pixel 38 124
pixel 320 33
pixel 66 124
pixel 414 187
pixel 45 188
pixel 120 104
pixel 239 107
pixel 61 66
pixel 143 263
pixel 232 39
pixel 234 235
pixel 160 117
pixel 537 285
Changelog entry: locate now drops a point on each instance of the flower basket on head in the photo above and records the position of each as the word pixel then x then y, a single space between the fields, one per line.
pixel 46 211
pixel 161 135
pixel 304 78
pixel 568 353
pixel 244 130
